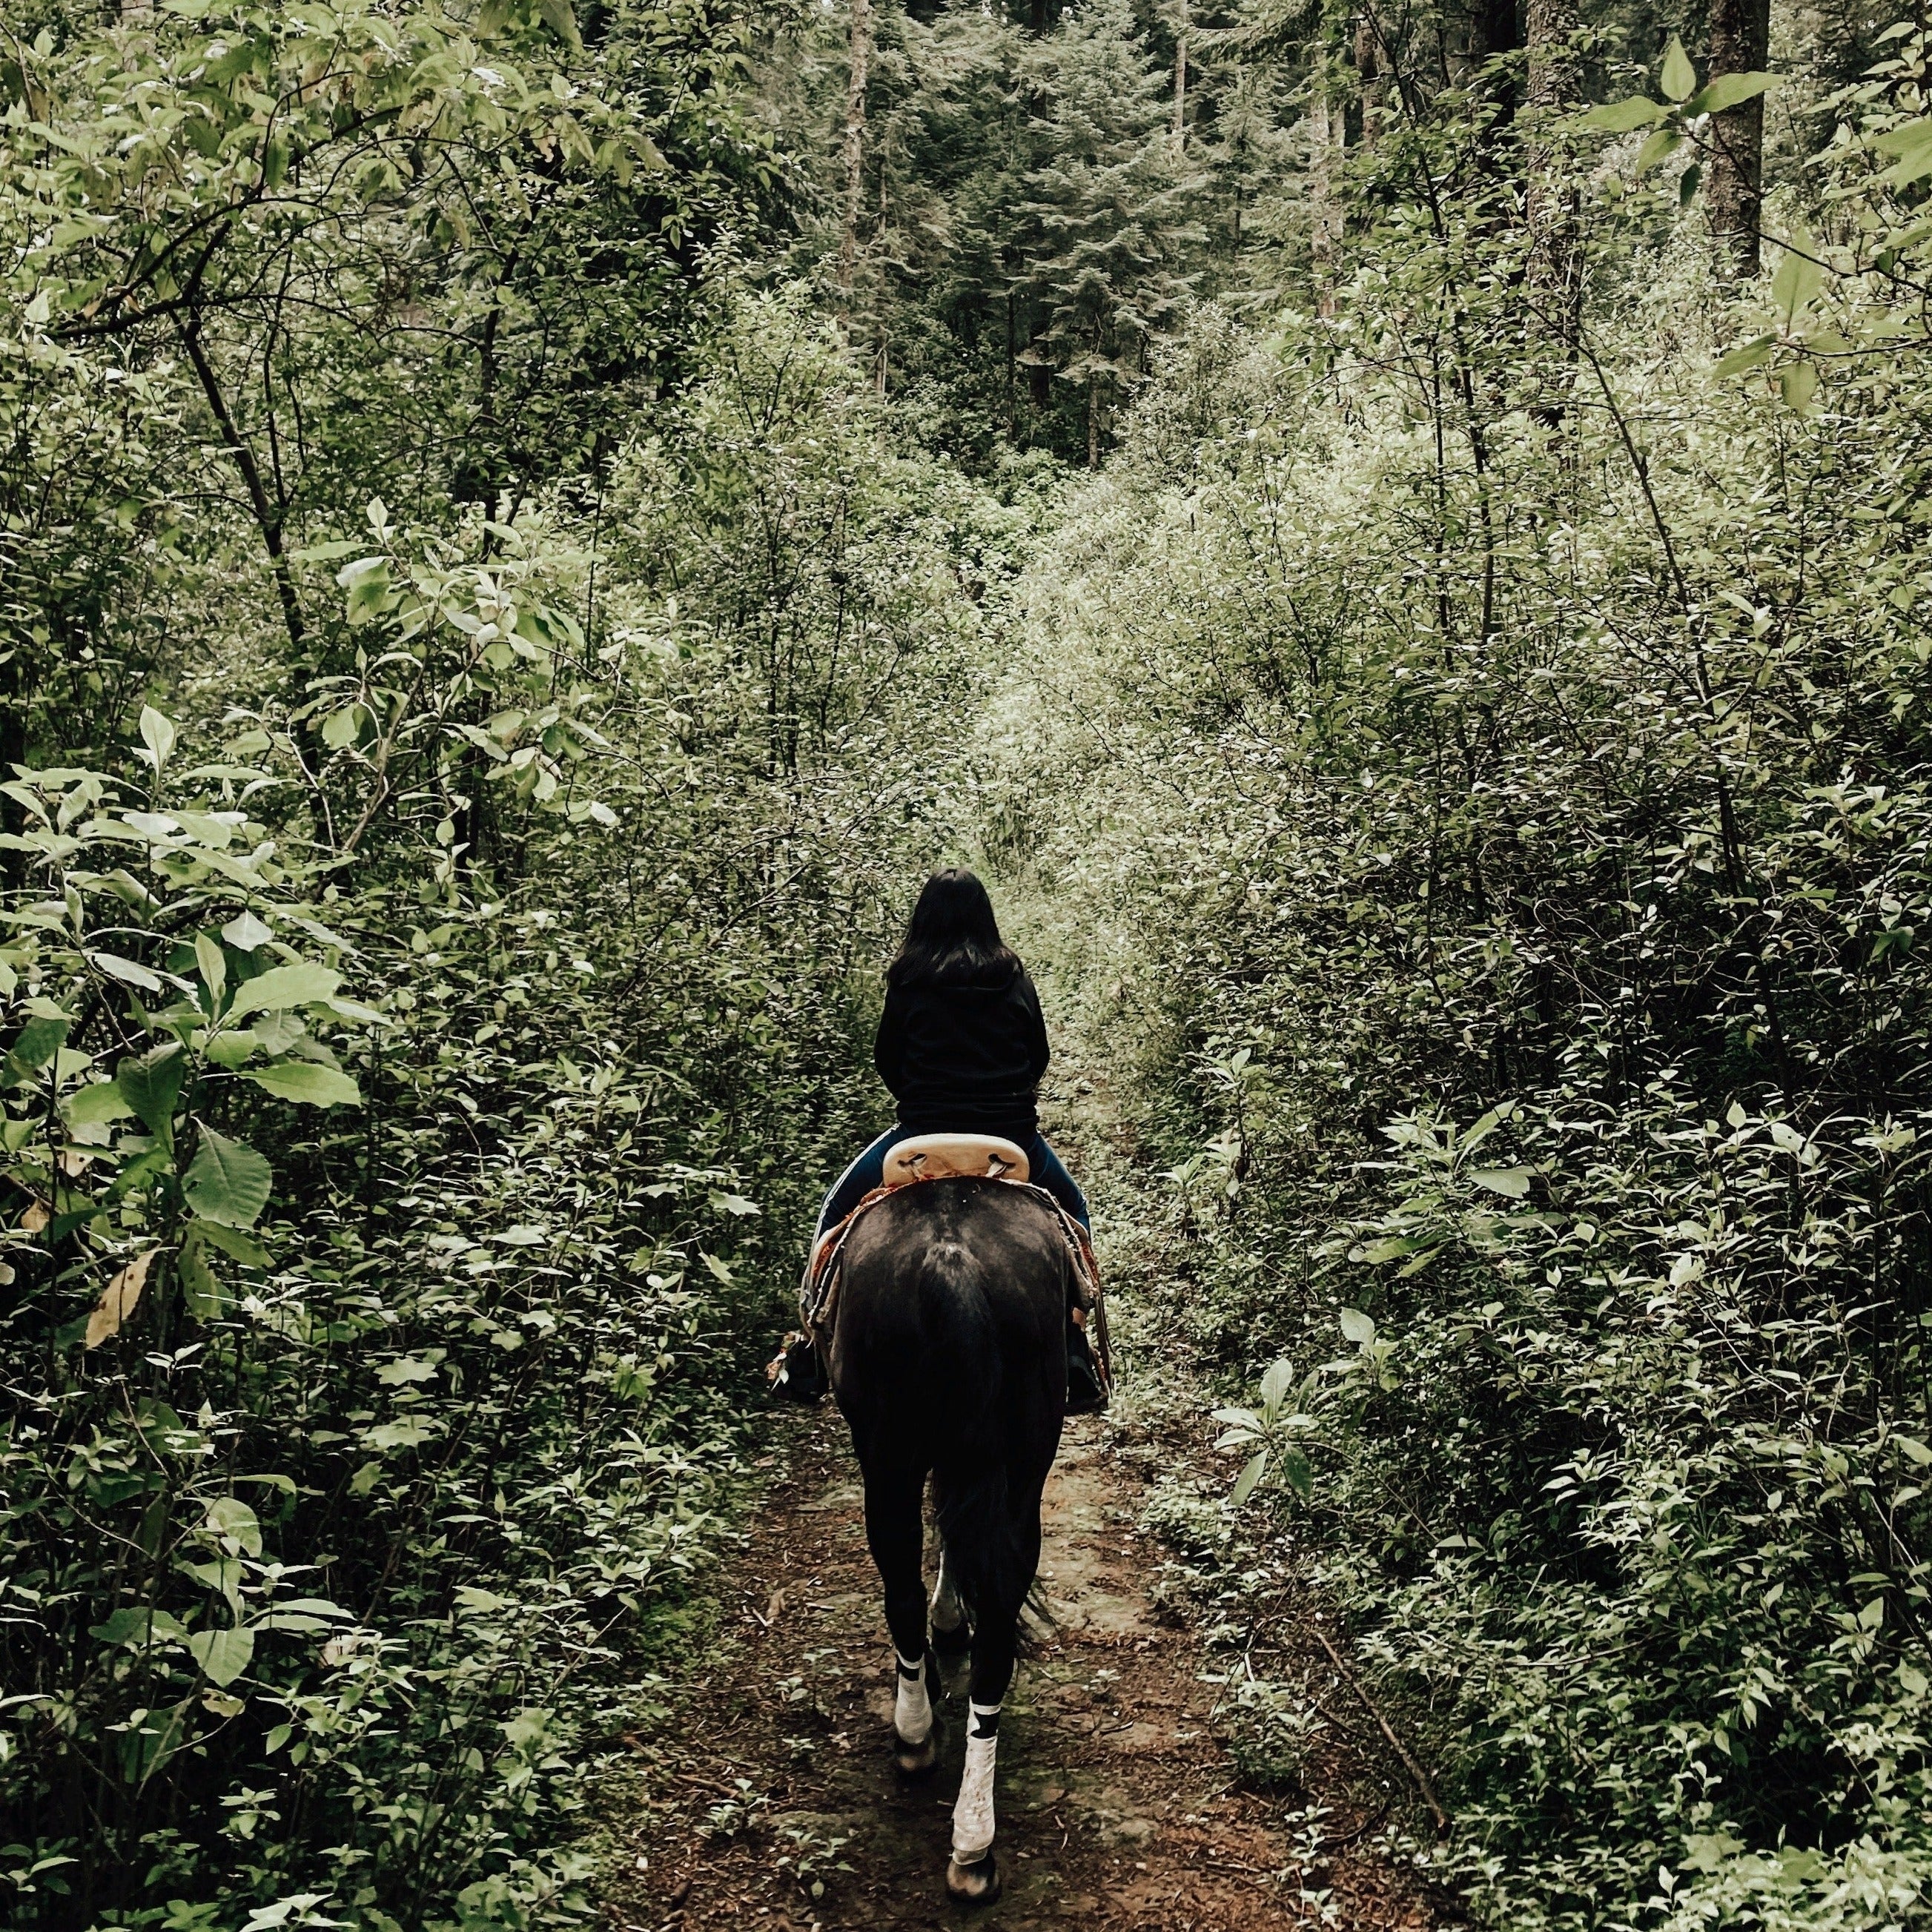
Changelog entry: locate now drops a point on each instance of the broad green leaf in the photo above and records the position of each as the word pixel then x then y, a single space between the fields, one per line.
pixel 245 932
pixel 1276 1384
pixel 407 1368
pixel 1301 1474
pixel 1798 384
pixel 234 1050
pixel 1255 1468
pixel 1749 355
pixel 95 1104
pixel 232 1242
pixel 562 21
pixel 129 972
pixel 1661 146
pixel 1729 91
pixel 1624 117
pixel 149 1743
pixel 300 984
pixel 367 582
pixel 1357 1327
pixel 212 967
pixel 1679 78
pixel 225 1574
pixel 39 1040
pixel 135 1626
pixel 303 1080
pixel 1799 275
pixel 1915 166
pixel 231 1518
pixel 157 734
pixel 152 1085
pixel 226 1182
pixel 1512 1181
pixel 200 1282
pixel 1914 137
pixel 224 1655
pixel 409 1432
pixel 1392 1248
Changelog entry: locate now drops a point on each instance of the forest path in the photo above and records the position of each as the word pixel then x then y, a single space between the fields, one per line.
pixel 1118 1806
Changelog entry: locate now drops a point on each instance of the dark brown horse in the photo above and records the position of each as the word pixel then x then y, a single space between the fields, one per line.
pixel 949 1361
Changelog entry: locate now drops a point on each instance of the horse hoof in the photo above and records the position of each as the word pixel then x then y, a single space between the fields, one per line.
pixel 916 1760
pixel 954 1642
pixel 976 1884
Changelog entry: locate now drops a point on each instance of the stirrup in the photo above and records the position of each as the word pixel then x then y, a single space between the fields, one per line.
pixel 796 1373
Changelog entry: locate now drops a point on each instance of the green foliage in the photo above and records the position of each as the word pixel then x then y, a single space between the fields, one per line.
pixel 1498 851
pixel 480 658
pixel 412 921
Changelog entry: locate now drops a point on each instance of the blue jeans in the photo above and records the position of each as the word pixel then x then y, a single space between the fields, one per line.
pixel 868 1172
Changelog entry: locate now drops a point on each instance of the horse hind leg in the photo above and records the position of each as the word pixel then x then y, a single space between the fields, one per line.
pixel 973 1874
pixel 895 1534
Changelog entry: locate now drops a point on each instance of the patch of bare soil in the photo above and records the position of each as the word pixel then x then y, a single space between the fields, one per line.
pixel 771 1801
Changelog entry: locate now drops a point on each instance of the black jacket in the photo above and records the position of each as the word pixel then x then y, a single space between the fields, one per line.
pixel 964 1059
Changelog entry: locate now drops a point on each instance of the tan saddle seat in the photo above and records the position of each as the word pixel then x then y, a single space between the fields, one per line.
pixel 974 1157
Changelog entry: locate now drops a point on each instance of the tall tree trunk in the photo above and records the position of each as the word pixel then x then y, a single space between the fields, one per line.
pixel 1553 271
pixel 1369 73
pixel 1495 29
pixel 1324 233
pixel 1734 195
pixel 1038 368
pixel 1180 81
pixel 1093 419
pixel 1013 349
pixel 885 332
pixel 855 143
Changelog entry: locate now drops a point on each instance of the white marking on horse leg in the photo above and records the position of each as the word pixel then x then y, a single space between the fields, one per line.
pixel 912 1708
pixel 949 1612
pixel 973 1816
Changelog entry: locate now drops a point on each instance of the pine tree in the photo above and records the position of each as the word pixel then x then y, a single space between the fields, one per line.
pixel 1112 203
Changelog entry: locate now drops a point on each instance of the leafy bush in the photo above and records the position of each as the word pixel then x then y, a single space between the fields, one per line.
pixel 1508 885
pixel 400 1222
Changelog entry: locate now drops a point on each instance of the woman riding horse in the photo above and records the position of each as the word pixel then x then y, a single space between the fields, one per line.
pixel 961 1047
pixel 951 1348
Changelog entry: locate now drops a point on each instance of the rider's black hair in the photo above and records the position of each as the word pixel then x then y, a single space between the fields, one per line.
pixel 953 938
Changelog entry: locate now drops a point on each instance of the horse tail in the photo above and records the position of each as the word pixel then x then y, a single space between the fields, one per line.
pixel 964 1378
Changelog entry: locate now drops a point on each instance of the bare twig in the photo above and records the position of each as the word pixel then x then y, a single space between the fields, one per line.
pixel 1401 1750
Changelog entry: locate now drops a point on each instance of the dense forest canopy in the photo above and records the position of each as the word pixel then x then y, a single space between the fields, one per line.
pixel 1396 535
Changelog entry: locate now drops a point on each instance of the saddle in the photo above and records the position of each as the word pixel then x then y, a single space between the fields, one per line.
pixel 956 1157
pixel 912 1163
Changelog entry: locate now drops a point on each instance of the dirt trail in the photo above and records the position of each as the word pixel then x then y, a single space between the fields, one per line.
pixel 1118 1807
